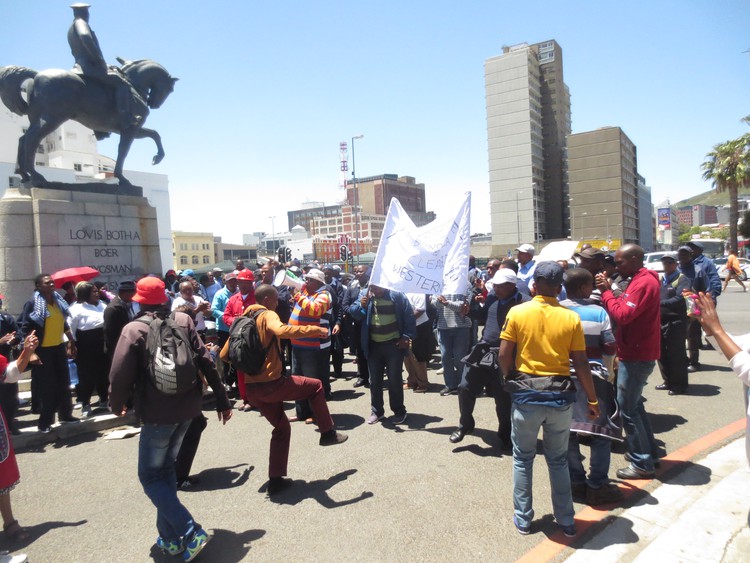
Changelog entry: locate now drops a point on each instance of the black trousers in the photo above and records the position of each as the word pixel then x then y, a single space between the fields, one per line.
pixel 189 447
pixel 93 365
pixel 473 381
pixel 673 361
pixel 693 340
pixel 53 384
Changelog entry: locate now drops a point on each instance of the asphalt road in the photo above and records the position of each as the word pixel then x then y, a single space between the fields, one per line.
pixel 388 494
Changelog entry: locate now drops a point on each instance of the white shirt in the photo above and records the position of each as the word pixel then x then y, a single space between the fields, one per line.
pixel 419 301
pixel 85 316
pixel 200 323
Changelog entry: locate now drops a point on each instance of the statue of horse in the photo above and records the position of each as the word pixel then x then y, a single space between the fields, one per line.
pixel 55 96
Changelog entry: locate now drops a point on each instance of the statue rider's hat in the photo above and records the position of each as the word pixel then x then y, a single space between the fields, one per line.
pixel 80 6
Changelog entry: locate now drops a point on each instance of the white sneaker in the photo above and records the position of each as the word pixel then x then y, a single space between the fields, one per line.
pixel 6 557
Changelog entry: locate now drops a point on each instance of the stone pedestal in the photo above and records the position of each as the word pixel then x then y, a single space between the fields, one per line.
pixel 47 230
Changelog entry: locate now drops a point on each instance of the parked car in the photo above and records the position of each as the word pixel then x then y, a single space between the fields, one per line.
pixel 652 261
pixel 721 267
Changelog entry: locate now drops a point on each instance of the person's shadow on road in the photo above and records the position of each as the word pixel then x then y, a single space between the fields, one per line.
pixel 35 532
pixel 318 491
pixel 224 546
pixel 218 478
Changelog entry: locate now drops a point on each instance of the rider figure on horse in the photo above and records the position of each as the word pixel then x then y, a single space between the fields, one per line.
pixel 90 60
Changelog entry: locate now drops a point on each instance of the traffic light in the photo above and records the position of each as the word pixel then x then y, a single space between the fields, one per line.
pixel 288 254
pixel 343 253
pixel 281 253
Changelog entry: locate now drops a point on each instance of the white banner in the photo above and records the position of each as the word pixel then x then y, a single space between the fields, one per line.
pixel 429 259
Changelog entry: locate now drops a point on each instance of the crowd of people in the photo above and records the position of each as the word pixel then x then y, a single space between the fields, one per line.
pixel 567 347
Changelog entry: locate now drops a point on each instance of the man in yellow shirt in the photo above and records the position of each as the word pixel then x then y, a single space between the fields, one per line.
pixel 539 340
pixel 47 313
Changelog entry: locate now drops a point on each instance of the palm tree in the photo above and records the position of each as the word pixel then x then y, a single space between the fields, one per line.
pixel 727 166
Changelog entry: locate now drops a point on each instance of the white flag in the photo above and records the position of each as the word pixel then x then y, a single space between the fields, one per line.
pixel 429 259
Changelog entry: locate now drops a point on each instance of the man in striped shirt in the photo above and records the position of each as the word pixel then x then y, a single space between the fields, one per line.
pixel 311 356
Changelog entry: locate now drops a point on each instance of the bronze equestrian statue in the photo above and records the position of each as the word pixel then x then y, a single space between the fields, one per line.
pixel 103 98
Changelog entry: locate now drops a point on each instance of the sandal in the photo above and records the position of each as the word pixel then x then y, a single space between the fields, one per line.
pixel 15 532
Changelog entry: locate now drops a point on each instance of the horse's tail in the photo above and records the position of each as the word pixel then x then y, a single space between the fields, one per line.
pixel 11 80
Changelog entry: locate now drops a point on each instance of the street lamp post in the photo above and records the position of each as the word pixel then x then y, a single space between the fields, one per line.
pixel 356 198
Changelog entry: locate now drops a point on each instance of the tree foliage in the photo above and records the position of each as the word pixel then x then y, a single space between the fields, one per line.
pixel 727 167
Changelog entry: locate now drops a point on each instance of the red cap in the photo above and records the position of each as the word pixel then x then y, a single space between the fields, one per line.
pixel 246 275
pixel 170 273
pixel 150 291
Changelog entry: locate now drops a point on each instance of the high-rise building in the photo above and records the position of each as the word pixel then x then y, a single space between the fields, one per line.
pixel 603 184
pixel 528 121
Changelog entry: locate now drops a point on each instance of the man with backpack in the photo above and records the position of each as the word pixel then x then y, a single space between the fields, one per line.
pixel 156 362
pixel 267 385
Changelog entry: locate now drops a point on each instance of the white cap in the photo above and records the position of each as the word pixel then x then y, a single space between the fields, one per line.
pixel 504 275
pixel 315 274
pixel 528 248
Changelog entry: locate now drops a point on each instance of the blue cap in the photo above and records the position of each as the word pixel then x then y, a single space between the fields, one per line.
pixel 549 272
pixel 190 273
pixel 695 244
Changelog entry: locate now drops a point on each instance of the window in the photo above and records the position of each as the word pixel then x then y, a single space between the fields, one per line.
pixel 77 167
pixel 195 260
pixel 194 246
pixel 183 246
pixel 183 260
pixel 206 260
pixel 205 247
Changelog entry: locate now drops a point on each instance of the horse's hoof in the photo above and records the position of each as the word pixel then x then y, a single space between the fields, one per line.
pixel 157 159
pixel 123 183
pixel 38 181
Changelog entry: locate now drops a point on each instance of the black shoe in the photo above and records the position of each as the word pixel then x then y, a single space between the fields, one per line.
pixel 631 472
pixel 278 484
pixel 692 368
pixel 361 382
pixel 331 438
pixel 506 446
pixel 662 387
pixel 458 435
pixel 678 391
pixel 70 420
pixel 445 391
pixel 629 459
pixel 44 429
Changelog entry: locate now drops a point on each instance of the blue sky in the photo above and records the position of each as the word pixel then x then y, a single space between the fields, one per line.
pixel 268 90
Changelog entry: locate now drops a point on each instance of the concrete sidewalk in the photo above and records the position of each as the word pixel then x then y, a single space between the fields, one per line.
pixel 700 515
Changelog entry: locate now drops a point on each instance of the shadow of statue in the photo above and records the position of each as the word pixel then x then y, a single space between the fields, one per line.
pixel 219 478
pixel 318 491
pixel 35 532
pixel 224 546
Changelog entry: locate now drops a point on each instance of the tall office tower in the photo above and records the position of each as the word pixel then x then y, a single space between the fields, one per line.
pixel 604 196
pixel 528 120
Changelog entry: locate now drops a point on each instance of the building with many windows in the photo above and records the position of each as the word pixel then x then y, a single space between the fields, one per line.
pixel 192 250
pixel 528 120
pixel 603 182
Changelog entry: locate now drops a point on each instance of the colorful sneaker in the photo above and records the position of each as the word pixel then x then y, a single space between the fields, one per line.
pixel 196 544
pixel 170 547
pixel 523 529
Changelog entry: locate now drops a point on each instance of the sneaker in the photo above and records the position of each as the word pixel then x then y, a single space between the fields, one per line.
pixel 374 418
pixel 632 472
pixel 421 390
pixel 70 420
pixel 103 406
pixel 6 557
pixel 446 391
pixel 606 494
pixel 331 438
pixel 196 544
pixel 397 419
pixel 170 547
pixel 441 371
pixel 44 429
pixel 579 491
pixel 523 529
pixel 569 531
pixel 85 411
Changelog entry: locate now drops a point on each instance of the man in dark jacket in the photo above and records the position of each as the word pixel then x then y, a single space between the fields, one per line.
pixel 476 376
pixel 118 313
pixel 351 297
pixel 638 335
pixel 673 359
pixel 165 418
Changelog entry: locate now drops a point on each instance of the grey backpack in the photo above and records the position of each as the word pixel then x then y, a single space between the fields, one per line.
pixel 171 359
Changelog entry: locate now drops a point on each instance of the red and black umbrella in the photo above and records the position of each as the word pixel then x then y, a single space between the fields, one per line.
pixel 75 275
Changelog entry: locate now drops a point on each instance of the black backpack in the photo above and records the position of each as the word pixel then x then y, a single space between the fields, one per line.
pixel 246 351
pixel 171 358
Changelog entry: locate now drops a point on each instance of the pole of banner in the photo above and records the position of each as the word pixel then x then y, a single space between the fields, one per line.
pixel 356 198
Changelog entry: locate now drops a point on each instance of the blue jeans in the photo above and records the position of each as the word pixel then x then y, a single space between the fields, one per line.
pixel 631 379
pixel 382 357
pixel 555 422
pixel 454 345
pixel 601 449
pixel 157 451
